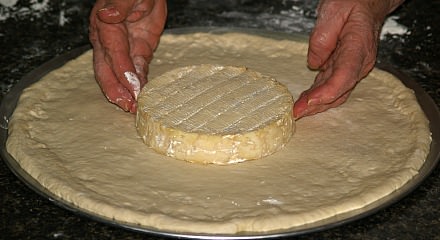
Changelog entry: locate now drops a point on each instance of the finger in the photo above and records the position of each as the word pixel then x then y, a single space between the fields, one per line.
pixel 114 11
pixel 158 16
pixel 300 106
pixel 353 59
pixel 150 29
pixel 339 76
pixel 301 109
pixel 145 36
pixel 342 77
pixel 112 89
pixel 332 15
pixel 113 38
pixel 93 29
pixel 361 34
pixel 141 9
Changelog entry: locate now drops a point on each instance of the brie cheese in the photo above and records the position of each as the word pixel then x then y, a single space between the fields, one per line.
pixel 215 114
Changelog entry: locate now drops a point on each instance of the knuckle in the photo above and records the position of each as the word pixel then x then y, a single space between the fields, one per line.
pixel 319 41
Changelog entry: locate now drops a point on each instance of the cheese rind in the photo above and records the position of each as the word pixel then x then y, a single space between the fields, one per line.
pixel 215 114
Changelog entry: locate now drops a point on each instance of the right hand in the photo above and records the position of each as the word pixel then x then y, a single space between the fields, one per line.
pixel 343 47
pixel 124 35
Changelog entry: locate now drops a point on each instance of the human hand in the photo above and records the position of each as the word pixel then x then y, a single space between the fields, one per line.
pixel 124 34
pixel 343 47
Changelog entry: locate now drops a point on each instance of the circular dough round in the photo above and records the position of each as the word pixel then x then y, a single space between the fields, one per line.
pixel 215 114
pixel 87 152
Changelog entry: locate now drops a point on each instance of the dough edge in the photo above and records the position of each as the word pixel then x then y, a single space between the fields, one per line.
pixel 162 221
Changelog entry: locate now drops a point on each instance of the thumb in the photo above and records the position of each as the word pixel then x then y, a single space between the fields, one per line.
pixel 115 11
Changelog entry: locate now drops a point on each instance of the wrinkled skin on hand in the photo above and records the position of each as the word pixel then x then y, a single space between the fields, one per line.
pixel 124 34
pixel 342 47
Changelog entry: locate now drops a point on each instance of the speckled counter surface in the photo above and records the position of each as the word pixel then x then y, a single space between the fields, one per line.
pixel 33 34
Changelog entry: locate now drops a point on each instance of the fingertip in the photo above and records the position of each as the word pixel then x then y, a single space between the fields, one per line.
pixel 308 103
pixel 110 14
pixel 133 108
pixel 115 11
pixel 314 61
pixel 300 107
pixel 297 115
pixel 124 103
pixel 118 95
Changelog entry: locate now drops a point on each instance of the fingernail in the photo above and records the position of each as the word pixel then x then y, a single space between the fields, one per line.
pixel 313 101
pixel 111 11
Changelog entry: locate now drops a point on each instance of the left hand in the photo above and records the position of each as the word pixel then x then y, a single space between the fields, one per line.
pixel 124 34
pixel 343 47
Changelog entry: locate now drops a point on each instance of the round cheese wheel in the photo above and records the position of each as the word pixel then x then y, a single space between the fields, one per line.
pixel 215 114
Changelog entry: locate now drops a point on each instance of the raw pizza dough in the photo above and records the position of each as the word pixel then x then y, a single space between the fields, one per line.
pixel 86 151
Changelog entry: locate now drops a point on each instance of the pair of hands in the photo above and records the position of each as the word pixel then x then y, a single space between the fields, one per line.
pixel 342 47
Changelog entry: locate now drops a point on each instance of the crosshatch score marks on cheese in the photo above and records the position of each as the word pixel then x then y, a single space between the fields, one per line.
pixel 215 114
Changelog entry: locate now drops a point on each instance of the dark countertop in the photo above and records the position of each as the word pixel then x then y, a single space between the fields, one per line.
pixel 30 36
